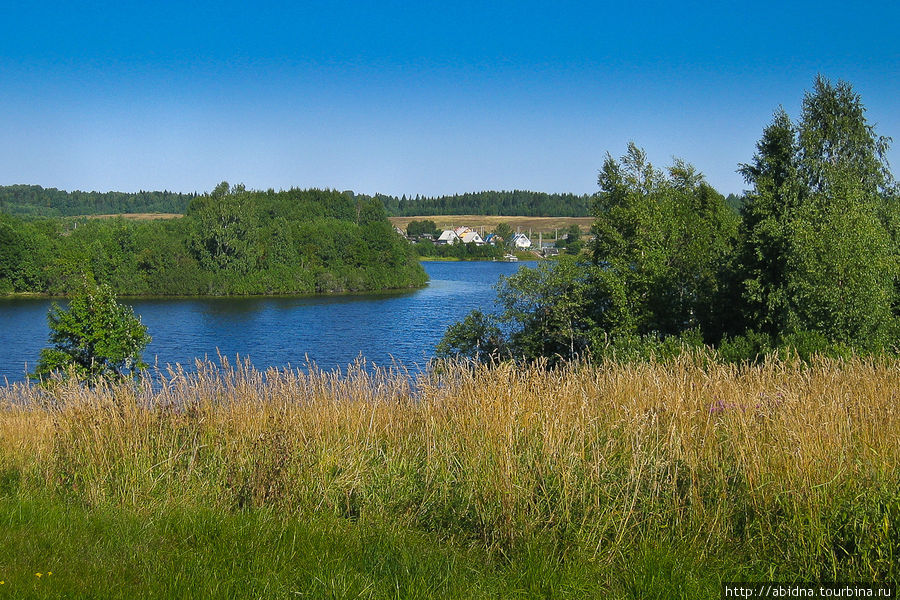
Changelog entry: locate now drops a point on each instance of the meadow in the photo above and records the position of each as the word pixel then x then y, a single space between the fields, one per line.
pixel 655 479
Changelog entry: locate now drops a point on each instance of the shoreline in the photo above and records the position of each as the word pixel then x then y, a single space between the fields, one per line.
pixel 388 291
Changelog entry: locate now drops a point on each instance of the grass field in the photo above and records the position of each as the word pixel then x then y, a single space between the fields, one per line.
pixel 623 481
pixel 138 216
pixel 546 225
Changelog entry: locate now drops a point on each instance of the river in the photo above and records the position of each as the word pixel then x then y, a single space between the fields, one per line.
pixel 331 331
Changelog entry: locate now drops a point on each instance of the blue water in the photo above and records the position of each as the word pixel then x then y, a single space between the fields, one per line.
pixel 331 331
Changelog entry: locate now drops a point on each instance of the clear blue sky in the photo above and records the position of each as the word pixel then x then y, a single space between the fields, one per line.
pixel 416 97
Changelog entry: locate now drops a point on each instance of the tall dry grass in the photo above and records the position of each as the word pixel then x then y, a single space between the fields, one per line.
pixel 789 464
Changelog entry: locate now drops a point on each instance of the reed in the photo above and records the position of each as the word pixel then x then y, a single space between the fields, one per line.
pixel 793 468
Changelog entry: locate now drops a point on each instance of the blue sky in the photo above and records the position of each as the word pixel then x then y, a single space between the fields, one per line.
pixel 415 97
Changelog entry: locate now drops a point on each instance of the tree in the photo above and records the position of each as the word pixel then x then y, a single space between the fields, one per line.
pixel 547 312
pixel 11 255
pixel 95 338
pixel 224 225
pixel 477 337
pixel 504 232
pixel 819 248
pixel 549 309
pixel 417 228
pixel 572 240
pixel 765 232
pixel 663 240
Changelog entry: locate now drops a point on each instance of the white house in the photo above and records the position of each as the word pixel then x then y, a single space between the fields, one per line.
pixel 472 236
pixel 448 236
pixel 521 240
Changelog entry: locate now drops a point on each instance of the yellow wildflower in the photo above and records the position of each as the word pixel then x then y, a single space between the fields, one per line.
pixel 38 574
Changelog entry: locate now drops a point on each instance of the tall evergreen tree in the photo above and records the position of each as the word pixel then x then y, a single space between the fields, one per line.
pixel 767 212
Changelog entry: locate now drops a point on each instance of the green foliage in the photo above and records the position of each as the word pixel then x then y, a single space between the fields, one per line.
pixel 417 228
pixel 811 265
pixel 765 231
pixel 459 251
pixel 546 312
pixel 750 346
pixel 630 347
pixel 505 232
pixel 571 240
pixel 94 338
pixel 33 200
pixel 818 250
pixel 223 224
pixel 663 240
pixel 232 241
pixel 549 309
pixel 514 203
pixel 477 337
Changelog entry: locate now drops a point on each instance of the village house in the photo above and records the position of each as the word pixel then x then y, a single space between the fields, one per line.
pixel 520 240
pixel 448 236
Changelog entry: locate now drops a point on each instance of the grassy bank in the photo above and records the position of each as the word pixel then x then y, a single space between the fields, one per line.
pixel 650 480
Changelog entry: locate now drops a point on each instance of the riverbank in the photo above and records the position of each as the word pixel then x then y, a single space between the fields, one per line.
pixel 338 294
pixel 520 256
pixel 520 481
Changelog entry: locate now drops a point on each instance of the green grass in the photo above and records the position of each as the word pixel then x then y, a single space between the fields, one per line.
pixel 111 552
pixel 655 480
pixel 200 553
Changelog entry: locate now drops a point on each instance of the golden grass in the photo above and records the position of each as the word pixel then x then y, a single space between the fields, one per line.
pixel 775 454
pixel 546 225
pixel 138 216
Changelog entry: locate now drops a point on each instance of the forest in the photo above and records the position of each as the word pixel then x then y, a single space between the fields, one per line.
pixel 514 203
pixel 33 200
pixel 809 264
pixel 230 242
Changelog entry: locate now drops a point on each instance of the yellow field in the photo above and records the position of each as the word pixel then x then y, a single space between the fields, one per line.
pixel 549 226
pixel 545 225
pixel 139 216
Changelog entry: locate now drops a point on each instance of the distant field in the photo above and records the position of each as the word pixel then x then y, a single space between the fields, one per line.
pixel 139 216
pixel 535 224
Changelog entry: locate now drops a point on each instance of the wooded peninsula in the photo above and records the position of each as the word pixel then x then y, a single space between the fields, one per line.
pixel 230 242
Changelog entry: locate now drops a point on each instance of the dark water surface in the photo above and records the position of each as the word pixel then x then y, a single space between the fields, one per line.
pixel 331 331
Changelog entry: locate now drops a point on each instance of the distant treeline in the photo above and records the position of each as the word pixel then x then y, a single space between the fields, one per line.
pixel 34 200
pixel 515 203
pixel 231 241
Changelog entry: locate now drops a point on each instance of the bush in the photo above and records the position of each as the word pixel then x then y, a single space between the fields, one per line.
pixel 95 338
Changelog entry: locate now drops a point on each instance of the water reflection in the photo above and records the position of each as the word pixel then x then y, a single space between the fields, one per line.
pixel 332 331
